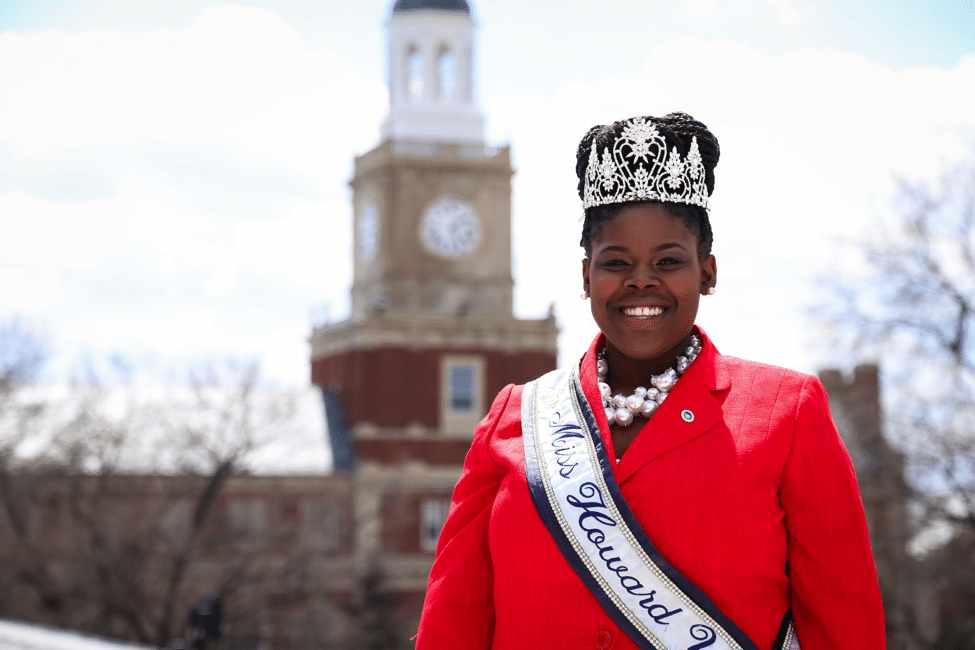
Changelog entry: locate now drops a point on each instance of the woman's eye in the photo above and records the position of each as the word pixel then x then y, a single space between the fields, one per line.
pixel 614 262
pixel 670 261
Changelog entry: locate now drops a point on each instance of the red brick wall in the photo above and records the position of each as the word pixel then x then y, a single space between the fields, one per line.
pixel 395 452
pixel 395 387
pixel 401 520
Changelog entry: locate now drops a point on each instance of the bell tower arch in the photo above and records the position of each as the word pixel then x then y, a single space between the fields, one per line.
pixel 431 73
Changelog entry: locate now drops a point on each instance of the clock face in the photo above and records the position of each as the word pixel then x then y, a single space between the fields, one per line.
pixel 450 228
pixel 367 232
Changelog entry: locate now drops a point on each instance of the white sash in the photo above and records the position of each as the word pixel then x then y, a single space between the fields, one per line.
pixel 578 499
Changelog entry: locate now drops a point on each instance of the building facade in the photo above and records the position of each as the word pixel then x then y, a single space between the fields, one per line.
pixel 431 337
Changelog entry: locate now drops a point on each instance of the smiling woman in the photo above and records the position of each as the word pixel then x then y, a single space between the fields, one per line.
pixel 656 495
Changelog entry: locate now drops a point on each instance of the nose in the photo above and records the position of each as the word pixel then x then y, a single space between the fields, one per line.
pixel 642 276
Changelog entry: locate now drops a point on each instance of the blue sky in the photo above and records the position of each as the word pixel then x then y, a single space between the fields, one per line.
pixel 894 32
pixel 173 174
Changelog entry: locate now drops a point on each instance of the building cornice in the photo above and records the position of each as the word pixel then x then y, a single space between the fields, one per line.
pixel 433 153
pixel 417 331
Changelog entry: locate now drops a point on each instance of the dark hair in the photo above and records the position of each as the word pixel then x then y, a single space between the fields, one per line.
pixel 677 129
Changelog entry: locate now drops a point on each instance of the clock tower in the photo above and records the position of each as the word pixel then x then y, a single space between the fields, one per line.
pixel 431 337
pixel 432 203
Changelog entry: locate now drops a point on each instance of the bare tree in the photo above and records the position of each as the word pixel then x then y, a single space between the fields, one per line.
pixel 22 355
pixel 124 503
pixel 107 509
pixel 914 309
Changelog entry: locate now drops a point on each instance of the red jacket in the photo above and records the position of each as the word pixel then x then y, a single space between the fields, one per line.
pixel 760 479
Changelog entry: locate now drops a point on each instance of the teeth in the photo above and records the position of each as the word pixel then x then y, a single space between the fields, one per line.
pixel 643 311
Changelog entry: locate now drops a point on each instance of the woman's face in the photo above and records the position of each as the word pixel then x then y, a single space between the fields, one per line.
pixel 645 279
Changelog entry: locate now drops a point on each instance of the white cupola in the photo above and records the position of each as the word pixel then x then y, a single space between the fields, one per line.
pixel 431 73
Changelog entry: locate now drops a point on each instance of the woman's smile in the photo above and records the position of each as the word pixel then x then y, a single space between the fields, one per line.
pixel 642 312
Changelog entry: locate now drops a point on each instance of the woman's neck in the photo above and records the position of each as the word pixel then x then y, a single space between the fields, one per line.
pixel 625 371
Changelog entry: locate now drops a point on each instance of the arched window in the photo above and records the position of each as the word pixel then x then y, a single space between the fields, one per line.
pixel 467 76
pixel 414 74
pixel 446 75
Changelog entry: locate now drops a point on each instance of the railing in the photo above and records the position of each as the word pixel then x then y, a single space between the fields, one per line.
pixel 419 149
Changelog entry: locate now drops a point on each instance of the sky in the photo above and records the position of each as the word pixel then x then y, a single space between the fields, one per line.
pixel 173 173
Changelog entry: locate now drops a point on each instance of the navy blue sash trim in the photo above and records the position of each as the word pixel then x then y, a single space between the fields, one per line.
pixel 544 508
pixel 784 630
pixel 685 585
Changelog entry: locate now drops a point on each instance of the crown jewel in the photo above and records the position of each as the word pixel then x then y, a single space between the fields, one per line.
pixel 637 167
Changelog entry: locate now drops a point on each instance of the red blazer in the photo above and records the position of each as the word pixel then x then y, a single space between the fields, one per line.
pixel 760 479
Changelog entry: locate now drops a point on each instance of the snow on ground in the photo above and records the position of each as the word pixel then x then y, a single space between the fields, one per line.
pixel 15 635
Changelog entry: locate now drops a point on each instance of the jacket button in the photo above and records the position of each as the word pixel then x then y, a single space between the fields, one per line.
pixel 603 640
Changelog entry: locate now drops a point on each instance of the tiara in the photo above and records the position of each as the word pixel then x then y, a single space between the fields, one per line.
pixel 636 167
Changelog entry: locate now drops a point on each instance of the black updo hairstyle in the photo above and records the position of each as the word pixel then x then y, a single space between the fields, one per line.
pixel 677 129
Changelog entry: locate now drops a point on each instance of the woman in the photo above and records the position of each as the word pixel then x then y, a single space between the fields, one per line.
pixel 659 494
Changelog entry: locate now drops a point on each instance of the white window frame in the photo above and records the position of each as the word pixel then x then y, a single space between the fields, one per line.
pixel 415 74
pixel 247 523
pixel 433 514
pixel 446 75
pixel 461 422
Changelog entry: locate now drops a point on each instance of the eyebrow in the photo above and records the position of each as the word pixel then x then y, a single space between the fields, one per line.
pixel 624 249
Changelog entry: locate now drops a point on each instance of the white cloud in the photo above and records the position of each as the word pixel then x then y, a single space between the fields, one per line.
pixel 238 75
pixel 712 10
pixel 791 13
pixel 166 189
pixel 184 191
pixel 786 13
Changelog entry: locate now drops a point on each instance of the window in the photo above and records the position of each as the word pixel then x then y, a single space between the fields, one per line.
pixel 462 390
pixel 433 514
pixel 414 75
pixel 321 525
pixel 247 523
pixel 465 88
pixel 446 75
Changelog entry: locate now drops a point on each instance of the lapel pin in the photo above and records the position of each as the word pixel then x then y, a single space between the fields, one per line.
pixel 687 415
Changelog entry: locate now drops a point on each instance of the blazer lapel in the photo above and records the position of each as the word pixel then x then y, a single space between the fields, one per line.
pixel 689 411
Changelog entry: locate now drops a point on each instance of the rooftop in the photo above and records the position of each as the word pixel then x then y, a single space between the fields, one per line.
pixel 434 5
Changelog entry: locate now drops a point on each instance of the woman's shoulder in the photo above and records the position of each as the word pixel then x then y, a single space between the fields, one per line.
pixel 747 366
pixel 743 373
pixel 503 420
pixel 509 397
pixel 504 417
pixel 781 395
pixel 729 371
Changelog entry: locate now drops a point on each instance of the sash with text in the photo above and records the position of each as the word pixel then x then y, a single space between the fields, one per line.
pixel 578 499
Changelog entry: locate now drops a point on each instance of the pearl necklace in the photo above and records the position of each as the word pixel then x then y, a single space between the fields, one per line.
pixel 644 401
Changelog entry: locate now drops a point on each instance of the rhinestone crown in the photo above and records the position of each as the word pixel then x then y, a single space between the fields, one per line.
pixel 637 167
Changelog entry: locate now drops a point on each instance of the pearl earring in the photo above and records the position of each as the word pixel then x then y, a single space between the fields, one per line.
pixel 584 295
pixel 710 291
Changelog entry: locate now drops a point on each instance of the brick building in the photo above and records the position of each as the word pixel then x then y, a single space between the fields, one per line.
pixel 855 405
pixel 431 337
